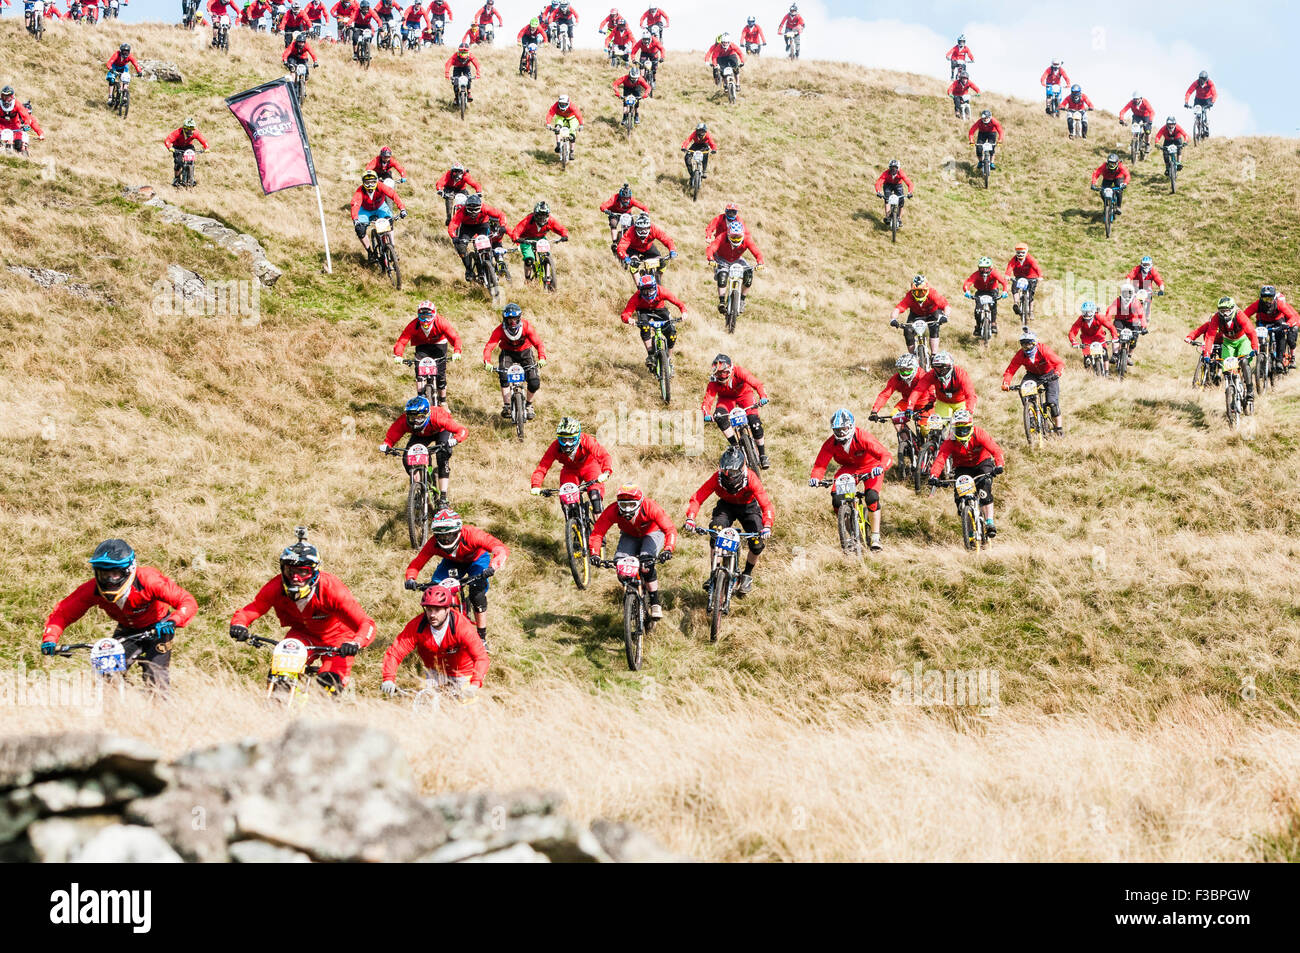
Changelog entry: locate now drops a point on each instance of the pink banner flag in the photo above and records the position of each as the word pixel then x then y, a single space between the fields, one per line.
pixel 270 115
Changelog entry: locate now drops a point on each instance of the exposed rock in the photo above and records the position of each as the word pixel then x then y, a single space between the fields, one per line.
pixel 56 839
pixel 195 822
pixel 161 71
pixel 189 287
pixel 626 845
pixel 124 844
pixel 48 278
pixel 260 852
pixel 85 793
pixel 515 854
pixel 220 235
pixel 24 760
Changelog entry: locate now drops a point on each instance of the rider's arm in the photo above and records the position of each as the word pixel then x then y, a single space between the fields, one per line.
pixel 823 459
pixel 603 524
pixel 69 610
pixel 160 588
pixel 535 339
pixel 493 340
pixel 883 397
pixel 660 519
pixel 544 465
pixel 333 594
pixel 396 431
pixel 260 606
pixel 402 646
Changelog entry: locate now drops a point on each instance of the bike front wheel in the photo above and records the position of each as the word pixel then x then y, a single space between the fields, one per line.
pixel 633 628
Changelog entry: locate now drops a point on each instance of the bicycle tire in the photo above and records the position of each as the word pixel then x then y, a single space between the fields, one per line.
pixel 893 227
pixel 518 413
pixel 461 101
pixel 575 547
pixel 969 534
pixel 1121 363
pixel 1232 405
pixel 846 523
pixel 749 448
pixel 548 274
pixel 1107 217
pixel 416 511
pixel 1027 418
pixel 664 370
pixel 733 310
pixel 717 598
pixel 633 629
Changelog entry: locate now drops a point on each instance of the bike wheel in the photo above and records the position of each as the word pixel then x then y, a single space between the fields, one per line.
pixel 665 372
pixel 417 504
pixel 750 449
pixel 1173 178
pixel 575 546
pixel 695 185
pixel 846 520
pixel 518 413
pixel 920 475
pixel 564 156
pixel 1121 363
pixel 731 92
pixel 717 598
pixel 893 228
pixel 733 310
pixel 1199 375
pixel 461 101
pixel 984 167
pixel 1029 419
pixel 969 534
pixel 1107 216
pixel 548 274
pixel 1233 405
pixel 633 630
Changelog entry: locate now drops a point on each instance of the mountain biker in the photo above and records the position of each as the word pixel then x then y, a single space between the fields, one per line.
pixel 415 21
pixel 317 13
pixel 531 32
pixel 343 12
pixel 440 11
pixel 640 240
pixel 120 62
pixel 985 281
pixel 619 204
pixel 486 14
pixel 1043 367
pixel 1113 175
pixel 607 25
pixel 564 113
pixel 1142 111
pixel 1090 328
pixel 903 382
pixel 434 427
pixel 724 53
pixel 1054 75
pixel 621 37
pixel 725 251
pixel 372 200
pixel 959 54
pixel 317 609
pixel 645 531
pixel 517 340
pixel 751 35
pixel 386 167
pixel 1203 89
pixel 654 17
pixel 444 639
pixel 1146 275
pixel 699 141
pixel 920 303
pixel 177 141
pixel 648 48
pixel 894 181
pixel 1271 308
pixel 459 64
pixel 14 116
pixel 220 8
pixel 292 21
pixel 960 87
pixel 363 19
pixel 1022 265
pixel 474 36
pixel 1127 312
pixel 792 22
pixel 137 598
pixel 975 454
pixel 296 51
pixel 741 499
pixel 652 299
pixel 730 386
pixel 386 11
pixel 537 225
pixel 632 83
pixel 948 386
pixel 469 551
pixel 723 220
pixel 430 332
pixel 859 453
pixel 985 129
pixel 1239 340
pixel 456 180
pixel 473 218
pixel 1077 101
pixel 582 459
pixel 565 18
pixel 1172 132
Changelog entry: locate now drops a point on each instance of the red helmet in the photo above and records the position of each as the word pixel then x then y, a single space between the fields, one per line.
pixel 438 596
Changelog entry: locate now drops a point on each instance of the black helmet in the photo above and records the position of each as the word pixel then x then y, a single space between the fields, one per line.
pixel 1204 76
pixel 7 92
pixel 625 192
pixel 125 49
pixel 1112 159
pixel 299 567
pixel 541 210
pixel 474 204
pixel 894 165
pixel 733 475
pixel 1267 293
pixel 113 561
pixel 701 128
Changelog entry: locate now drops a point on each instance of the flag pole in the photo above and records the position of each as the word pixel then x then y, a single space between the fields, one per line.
pixel 329 269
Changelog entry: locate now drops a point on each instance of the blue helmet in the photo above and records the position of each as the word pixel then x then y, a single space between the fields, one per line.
pixel 417 412
pixel 648 287
pixel 1076 88
pixel 1146 263
pixel 114 563
pixel 842 425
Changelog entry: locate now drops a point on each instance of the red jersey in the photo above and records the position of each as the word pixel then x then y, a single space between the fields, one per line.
pixel 300 51
pixel 633 244
pixel 961 54
pixel 441 330
pixel 658 18
pixel 473 543
pixel 959 389
pixel 118 62
pixel 177 139
pixel 456 653
pixel 1081 332
pixel 744 390
pixel 588 461
pixel 618 207
pixel 331 616
pixel 1043 363
pixel 1152 277
pixel 382 194
pixel 893 178
pixel 1120 174
pixel 637 303
pixel 486 16
pixel 933 303
pixel 753 35
pixel 1023 269
pixel 791 22
pixel 904 389
pixel 651 49
pixel 375 165
pixel 527 230
pixel 571 113
pixel 1076 102
pixel 440 421
pixel 862 455
pixel 649 518
pixel 961 87
pixel 694 141
pixel 151 599
pixel 457 60
pixel 1283 313
pixel 528 338
pixel 1141 110
pixel 985 284
pixel 979 448
pixel 1240 327
pixel 627 86
pixel 1178 135
pixel 1054 77
pixel 981 126
pixel 717 50
pixel 465 183
pixel 1201 90
pixel 751 492
pixel 721 249
pixel 487 215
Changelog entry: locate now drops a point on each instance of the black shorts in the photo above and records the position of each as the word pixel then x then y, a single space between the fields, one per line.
pixel 439 353
pixel 523 359
pixel 1051 388
pixel 983 475
pixel 748 515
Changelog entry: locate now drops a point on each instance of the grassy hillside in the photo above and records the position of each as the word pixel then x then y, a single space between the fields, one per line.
pixel 1140 599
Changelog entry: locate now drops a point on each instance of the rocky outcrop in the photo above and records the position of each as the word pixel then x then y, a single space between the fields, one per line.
pixel 223 236
pixel 47 278
pixel 318 792
pixel 161 71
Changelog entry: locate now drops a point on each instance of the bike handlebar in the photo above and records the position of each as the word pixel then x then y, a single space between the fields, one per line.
pixel 581 486
pixel 710 531
pixel 486 573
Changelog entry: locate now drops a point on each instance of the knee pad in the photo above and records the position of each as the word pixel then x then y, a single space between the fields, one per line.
pixel 723 421
pixel 1054 410
pixel 756 545
pixel 873 500
pixel 478 597
pixel 444 465
pixel 649 572
pixel 534 381
pixel 756 427
pixel 360 229
pixel 749 278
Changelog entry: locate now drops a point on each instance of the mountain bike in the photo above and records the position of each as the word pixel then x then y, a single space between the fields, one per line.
pixel 461 84
pixel 986 161
pixel 1024 300
pixel 382 250
pixel 629 119
pixel 730 83
pixel 187 169
pixel 516 380
pixel 792 44
pixel 697 173
pixel 1123 347
pixel 364 54
pixel 485 266
pixel 300 80
pixel 579 518
pixel 386 38
pixel 221 33
pixel 1031 413
pixel 1263 359
pixel 893 213
pixel 121 102
pixel 1108 200
pixel 1274 341
pixel 1095 359
pixel 460 584
pixel 422 496
pixel 108 656
pixel 738 418
pixel 659 354
pixel 973 532
pixel 1053 100
pixel 724 572
pixel 427 370
pixel 1171 166
pixel 14 140
pixel 294 664
pixel 1200 124
pixel 1139 142
pixel 539 266
pixel 564 138
pixel 528 62
pixel 734 294
pixel 984 318
pixel 931 430
pixel 909 447
pixel 439 24
pixel 961 106
pixel 639 266
pixel 1236 404
pixel 35 21
pixel 850 511
pixel 1208 371
pixel 636 604
pixel 920 347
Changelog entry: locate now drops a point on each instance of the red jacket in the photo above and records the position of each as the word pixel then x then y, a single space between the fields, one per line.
pixel 985 284
pixel 18 118
pixel 651 49
pixel 1242 327
pixel 151 598
pixel 440 420
pixel 460 652
pixel 382 193
pixel 904 389
pixel 626 86
pixel 473 543
pixel 753 34
pixel 1120 174
pixel 1083 102
pixel 694 140
pixel 466 183
pixel 722 250
pixel 527 339
pixel 223 8
pixel 571 113
pixel 981 126
pixel 617 37
pixel 1134 312
pixel 744 389
pixel 752 492
pixel 637 303
pixel 649 517
pixel 416 14
pixel 1284 314
pixel 718 50
pixel 1143 110
pixel 293 49
pixel 315 12
pixel 116 61
pixel 980 448
pixel 291 22
pixel 488 215
pixel 890 178
pixel 1083 333
pixel 933 303
pixel 441 330
pixel 959 389
pixel 345 10
pixel 791 21
pixel 527 34
pixel 486 16
pixel 455 60
pixel 393 166
pixel 719 226
pixel 588 461
pixel 1179 134
pixel 437 8
pixel 1023 269
pixel 961 54
pixel 633 244
pixel 608 23
pixel 1201 92
pixel 1054 77
pixel 527 230
pixel 177 139
pixel 1152 277
pixel 331 616
pixel 658 18
pixel 960 87
pixel 1045 362
pixel 863 453
pixel 617 207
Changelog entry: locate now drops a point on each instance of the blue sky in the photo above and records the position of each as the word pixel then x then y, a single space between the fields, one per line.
pixel 1112 49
